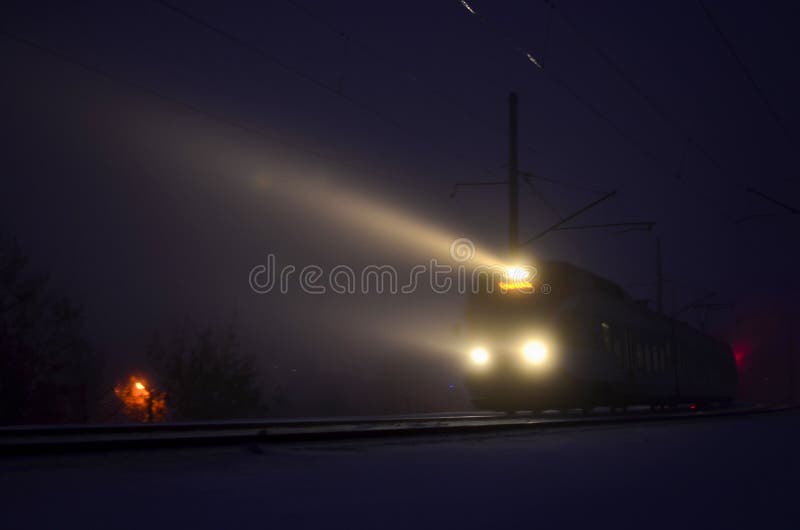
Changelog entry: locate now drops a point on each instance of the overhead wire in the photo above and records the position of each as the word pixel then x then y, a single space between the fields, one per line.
pixel 401 70
pixel 666 117
pixel 759 91
pixel 264 54
pixel 181 104
pixel 561 83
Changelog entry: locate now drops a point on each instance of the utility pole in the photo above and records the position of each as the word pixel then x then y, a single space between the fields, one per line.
pixel 513 193
pixel 659 278
pixel 513 178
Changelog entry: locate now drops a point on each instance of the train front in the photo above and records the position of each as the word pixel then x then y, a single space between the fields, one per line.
pixel 513 351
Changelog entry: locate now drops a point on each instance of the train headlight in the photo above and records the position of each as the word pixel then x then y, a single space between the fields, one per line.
pixel 535 352
pixel 518 273
pixel 479 356
pixel 518 278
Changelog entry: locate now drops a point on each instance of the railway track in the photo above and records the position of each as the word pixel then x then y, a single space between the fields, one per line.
pixel 83 438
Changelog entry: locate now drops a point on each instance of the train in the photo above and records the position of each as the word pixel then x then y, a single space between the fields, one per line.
pixel 570 339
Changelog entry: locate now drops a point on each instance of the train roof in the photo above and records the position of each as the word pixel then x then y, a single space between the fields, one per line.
pixel 582 279
pixel 563 271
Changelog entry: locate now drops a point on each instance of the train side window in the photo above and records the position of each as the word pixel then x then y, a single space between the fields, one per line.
pixel 644 358
pixel 660 356
pixel 606 336
pixel 659 359
pixel 654 357
pixel 654 350
pixel 668 357
pixel 639 357
pixel 627 349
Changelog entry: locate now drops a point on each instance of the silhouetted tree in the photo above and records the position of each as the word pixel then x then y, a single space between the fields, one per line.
pixel 206 376
pixel 47 367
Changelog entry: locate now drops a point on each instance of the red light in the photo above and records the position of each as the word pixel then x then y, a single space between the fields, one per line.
pixel 739 356
pixel 741 353
pixel 692 407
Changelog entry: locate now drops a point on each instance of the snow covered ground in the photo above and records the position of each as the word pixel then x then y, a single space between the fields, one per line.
pixel 722 473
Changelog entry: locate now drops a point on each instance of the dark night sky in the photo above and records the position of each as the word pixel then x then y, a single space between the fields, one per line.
pixel 145 211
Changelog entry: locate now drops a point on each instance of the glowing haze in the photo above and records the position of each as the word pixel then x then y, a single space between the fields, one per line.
pixel 373 218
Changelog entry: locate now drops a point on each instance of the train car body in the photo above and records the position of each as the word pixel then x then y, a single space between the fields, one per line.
pixel 578 340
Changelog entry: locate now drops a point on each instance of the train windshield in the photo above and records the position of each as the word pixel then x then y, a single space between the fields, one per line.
pixel 500 310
